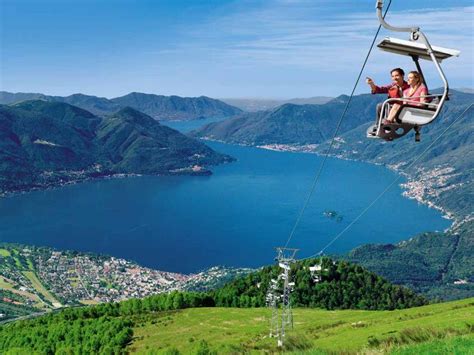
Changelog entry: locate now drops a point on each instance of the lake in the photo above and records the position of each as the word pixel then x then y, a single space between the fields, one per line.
pixel 236 217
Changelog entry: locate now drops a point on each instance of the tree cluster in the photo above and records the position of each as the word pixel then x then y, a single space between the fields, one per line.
pixel 342 286
pixel 68 333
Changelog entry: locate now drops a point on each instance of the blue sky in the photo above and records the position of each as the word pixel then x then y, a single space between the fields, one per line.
pixel 266 48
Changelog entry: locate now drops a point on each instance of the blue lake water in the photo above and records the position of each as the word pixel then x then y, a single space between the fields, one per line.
pixel 234 217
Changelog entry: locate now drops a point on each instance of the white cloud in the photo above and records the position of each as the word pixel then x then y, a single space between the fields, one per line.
pixel 305 35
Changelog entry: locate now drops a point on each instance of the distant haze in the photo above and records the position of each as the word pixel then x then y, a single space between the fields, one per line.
pixel 261 104
pixel 466 90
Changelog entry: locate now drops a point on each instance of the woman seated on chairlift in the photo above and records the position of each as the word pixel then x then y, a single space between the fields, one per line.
pixel 415 93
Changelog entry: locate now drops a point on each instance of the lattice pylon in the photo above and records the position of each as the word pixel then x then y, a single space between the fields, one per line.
pixel 272 302
pixel 285 257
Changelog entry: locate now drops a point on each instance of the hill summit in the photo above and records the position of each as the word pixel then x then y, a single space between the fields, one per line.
pixel 44 143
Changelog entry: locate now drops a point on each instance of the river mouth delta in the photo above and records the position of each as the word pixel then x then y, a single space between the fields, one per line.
pixel 235 217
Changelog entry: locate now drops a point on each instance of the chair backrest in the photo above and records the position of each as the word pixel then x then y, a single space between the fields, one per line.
pixel 416 115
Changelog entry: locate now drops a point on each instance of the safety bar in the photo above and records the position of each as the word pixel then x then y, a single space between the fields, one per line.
pixel 412 97
pixel 386 104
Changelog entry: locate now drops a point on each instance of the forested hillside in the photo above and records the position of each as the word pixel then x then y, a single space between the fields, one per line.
pixel 290 123
pixel 47 143
pixel 176 108
pixel 438 265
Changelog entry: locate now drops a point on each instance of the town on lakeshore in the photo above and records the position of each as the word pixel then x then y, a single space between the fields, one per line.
pixel 39 279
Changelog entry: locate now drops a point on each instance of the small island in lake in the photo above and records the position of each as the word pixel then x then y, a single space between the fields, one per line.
pixel 333 215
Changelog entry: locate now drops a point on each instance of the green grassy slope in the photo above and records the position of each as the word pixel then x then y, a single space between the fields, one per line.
pixel 134 327
pixel 437 327
pixel 454 345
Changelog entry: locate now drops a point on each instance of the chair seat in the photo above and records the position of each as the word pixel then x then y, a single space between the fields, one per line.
pixel 416 115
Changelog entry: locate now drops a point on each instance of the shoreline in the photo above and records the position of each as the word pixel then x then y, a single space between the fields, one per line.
pixel 410 188
pixel 54 186
pixel 188 171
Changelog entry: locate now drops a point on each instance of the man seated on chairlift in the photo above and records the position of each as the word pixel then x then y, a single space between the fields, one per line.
pixel 394 90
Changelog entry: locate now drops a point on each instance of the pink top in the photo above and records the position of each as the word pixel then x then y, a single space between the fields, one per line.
pixel 415 96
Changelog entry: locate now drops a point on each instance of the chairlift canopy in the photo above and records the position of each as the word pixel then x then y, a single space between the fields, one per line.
pixel 410 48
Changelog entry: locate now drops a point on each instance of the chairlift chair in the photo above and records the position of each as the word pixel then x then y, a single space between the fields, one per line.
pixel 316 271
pixel 412 114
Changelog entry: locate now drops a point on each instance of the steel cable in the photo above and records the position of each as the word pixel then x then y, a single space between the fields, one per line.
pixel 328 150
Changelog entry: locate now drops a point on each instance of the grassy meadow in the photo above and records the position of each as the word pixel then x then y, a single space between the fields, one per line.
pixel 434 329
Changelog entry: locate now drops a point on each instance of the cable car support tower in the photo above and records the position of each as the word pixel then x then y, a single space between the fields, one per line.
pixel 285 257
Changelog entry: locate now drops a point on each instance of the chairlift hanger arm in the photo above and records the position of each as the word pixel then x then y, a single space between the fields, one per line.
pixel 379 7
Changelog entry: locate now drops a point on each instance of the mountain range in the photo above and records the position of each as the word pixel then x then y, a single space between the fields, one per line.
pixel 258 104
pixel 44 143
pixel 157 106
pixel 291 123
